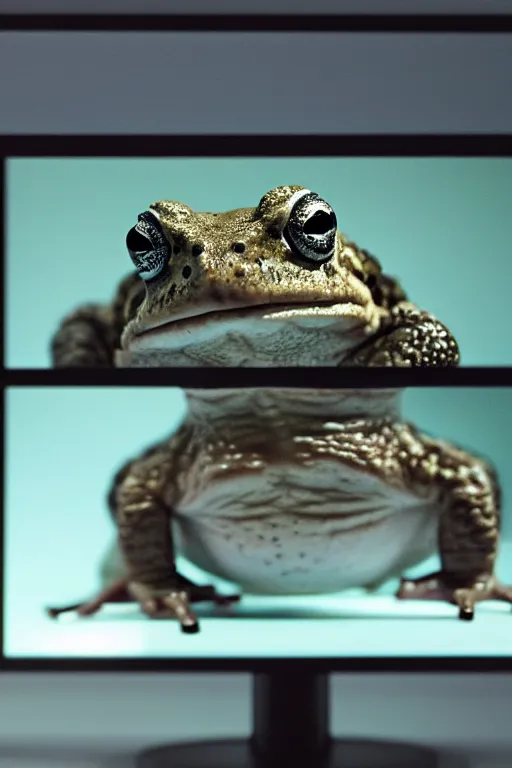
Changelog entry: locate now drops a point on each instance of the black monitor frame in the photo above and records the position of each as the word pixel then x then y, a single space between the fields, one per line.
pixel 257 22
pixel 425 22
pixel 480 145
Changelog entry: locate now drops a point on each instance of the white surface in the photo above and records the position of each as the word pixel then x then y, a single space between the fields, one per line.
pixel 254 83
pixel 395 629
pixel 255 6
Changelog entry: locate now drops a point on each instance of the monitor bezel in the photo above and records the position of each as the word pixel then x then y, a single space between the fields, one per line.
pixel 382 145
pixel 435 23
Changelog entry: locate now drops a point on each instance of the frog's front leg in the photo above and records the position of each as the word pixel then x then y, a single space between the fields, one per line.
pixel 142 504
pixel 84 338
pixel 469 529
pixel 408 337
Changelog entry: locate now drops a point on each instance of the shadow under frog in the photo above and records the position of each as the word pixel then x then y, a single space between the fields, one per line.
pixel 281 491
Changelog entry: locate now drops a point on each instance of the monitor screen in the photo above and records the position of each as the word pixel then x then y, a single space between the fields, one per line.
pixel 440 225
pixel 281 521
pixel 317 554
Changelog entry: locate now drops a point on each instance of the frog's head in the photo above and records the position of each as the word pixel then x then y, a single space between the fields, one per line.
pixel 272 285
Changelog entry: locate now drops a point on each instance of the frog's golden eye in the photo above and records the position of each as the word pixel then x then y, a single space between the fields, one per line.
pixel 311 228
pixel 147 246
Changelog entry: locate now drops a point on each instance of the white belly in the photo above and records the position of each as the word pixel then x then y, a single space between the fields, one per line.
pixel 299 530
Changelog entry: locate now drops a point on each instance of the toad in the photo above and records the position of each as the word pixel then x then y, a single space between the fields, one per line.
pixel 281 491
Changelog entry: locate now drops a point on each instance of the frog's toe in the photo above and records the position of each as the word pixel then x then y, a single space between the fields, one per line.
pixel 114 593
pixel 167 603
pixel 205 593
pixel 503 593
pixel 226 600
pixel 484 589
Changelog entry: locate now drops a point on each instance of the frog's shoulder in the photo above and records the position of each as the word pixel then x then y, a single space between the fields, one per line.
pixel 91 334
pixel 386 290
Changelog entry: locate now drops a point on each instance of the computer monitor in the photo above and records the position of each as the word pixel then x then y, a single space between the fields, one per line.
pixel 427 205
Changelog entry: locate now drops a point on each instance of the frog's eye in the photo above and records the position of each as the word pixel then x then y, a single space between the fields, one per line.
pixel 311 228
pixel 147 246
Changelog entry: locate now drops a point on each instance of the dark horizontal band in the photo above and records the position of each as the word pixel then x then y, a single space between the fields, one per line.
pixel 258 22
pixel 144 22
pixel 258 145
pixel 396 664
pixel 232 378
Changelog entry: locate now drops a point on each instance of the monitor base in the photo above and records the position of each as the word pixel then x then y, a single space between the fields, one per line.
pixel 237 753
pixel 290 706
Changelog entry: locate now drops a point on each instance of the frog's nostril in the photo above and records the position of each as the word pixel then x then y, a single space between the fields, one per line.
pixel 238 247
pixel 197 249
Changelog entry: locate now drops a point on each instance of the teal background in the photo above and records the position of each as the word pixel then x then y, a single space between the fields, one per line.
pixel 63 446
pixel 440 224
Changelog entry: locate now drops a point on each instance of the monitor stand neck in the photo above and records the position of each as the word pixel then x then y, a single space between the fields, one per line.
pixel 291 727
pixel 290 714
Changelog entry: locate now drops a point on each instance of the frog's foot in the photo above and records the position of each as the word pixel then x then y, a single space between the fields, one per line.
pixel 172 603
pixel 438 586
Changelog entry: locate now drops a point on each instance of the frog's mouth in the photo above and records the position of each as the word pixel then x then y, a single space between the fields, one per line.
pixel 255 326
pixel 170 331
